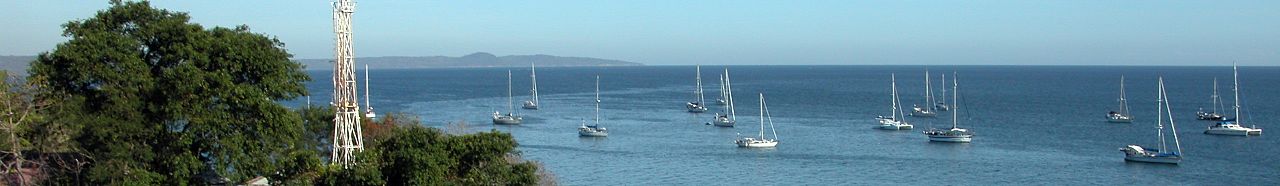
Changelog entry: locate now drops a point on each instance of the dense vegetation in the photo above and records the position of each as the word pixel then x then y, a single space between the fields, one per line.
pixel 141 96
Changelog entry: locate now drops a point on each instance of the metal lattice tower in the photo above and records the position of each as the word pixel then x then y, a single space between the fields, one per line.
pixel 346 121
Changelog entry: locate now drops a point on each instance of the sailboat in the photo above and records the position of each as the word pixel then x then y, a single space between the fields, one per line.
pixel 697 106
pixel 1217 106
pixel 761 141
pixel 368 113
pixel 724 90
pixel 729 118
pixel 896 119
pixel 1233 126
pixel 594 130
pixel 1140 154
pixel 926 110
pixel 510 118
pixel 532 103
pixel 955 134
pixel 942 103
pixel 1121 116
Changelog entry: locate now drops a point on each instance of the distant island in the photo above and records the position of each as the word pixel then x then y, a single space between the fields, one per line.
pixel 478 59
pixel 18 64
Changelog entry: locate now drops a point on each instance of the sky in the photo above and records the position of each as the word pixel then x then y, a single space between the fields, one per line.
pixel 662 32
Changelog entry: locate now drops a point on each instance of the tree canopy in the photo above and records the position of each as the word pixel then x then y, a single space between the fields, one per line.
pixel 144 97
pixel 164 101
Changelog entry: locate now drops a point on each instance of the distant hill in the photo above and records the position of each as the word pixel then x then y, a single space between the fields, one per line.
pixel 16 65
pixel 479 59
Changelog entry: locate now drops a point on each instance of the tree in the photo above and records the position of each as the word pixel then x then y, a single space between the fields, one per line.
pixel 19 107
pixel 162 101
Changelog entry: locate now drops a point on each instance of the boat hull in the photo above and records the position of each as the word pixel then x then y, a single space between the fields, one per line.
pixel 583 133
pixel 951 139
pixel 1119 120
pixel 924 114
pixel 1153 159
pixel 721 123
pixel 530 105
pixel 1231 132
pixel 695 107
pixel 890 124
pixel 758 144
pixel 507 120
pixel 896 127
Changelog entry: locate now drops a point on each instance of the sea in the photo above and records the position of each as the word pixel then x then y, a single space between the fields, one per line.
pixel 1032 124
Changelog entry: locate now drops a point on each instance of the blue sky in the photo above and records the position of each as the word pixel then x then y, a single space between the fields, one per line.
pixel 660 32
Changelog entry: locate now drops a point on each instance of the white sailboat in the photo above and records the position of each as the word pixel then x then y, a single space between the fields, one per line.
pixel 1233 126
pixel 955 134
pixel 724 90
pixel 942 103
pixel 1140 154
pixel 511 118
pixel 727 119
pixel 697 105
pixel 532 103
pixel 761 141
pixel 594 130
pixel 1121 116
pixel 926 110
pixel 368 113
pixel 1217 106
pixel 896 119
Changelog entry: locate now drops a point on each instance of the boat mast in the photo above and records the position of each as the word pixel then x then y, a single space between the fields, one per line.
pixel 901 115
pixel 597 101
pixel 722 89
pixel 762 116
pixel 1215 105
pixel 944 88
pixel 1124 105
pixel 533 74
pixel 1169 110
pixel 733 114
pixel 928 92
pixel 366 89
pixel 1160 115
pixel 510 106
pixel 768 115
pixel 698 78
pixel 1235 77
pixel 955 107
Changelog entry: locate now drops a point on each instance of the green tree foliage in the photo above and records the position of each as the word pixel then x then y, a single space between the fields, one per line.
pixel 402 152
pixel 416 155
pixel 161 100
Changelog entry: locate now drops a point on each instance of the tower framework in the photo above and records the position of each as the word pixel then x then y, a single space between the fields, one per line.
pixel 346 130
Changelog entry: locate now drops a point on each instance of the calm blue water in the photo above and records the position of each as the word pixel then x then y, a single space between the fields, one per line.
pixel 1034 124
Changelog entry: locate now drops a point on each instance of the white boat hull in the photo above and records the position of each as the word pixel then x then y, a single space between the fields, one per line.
pixel 923 113
pixel 507 120
pixel 584 133
pixel 890 124
pixel 370 115
pixel 1233 132
pixel 896 127
pixel 721 123
pixel 530 105
pixel 695 107
pixel 757 144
